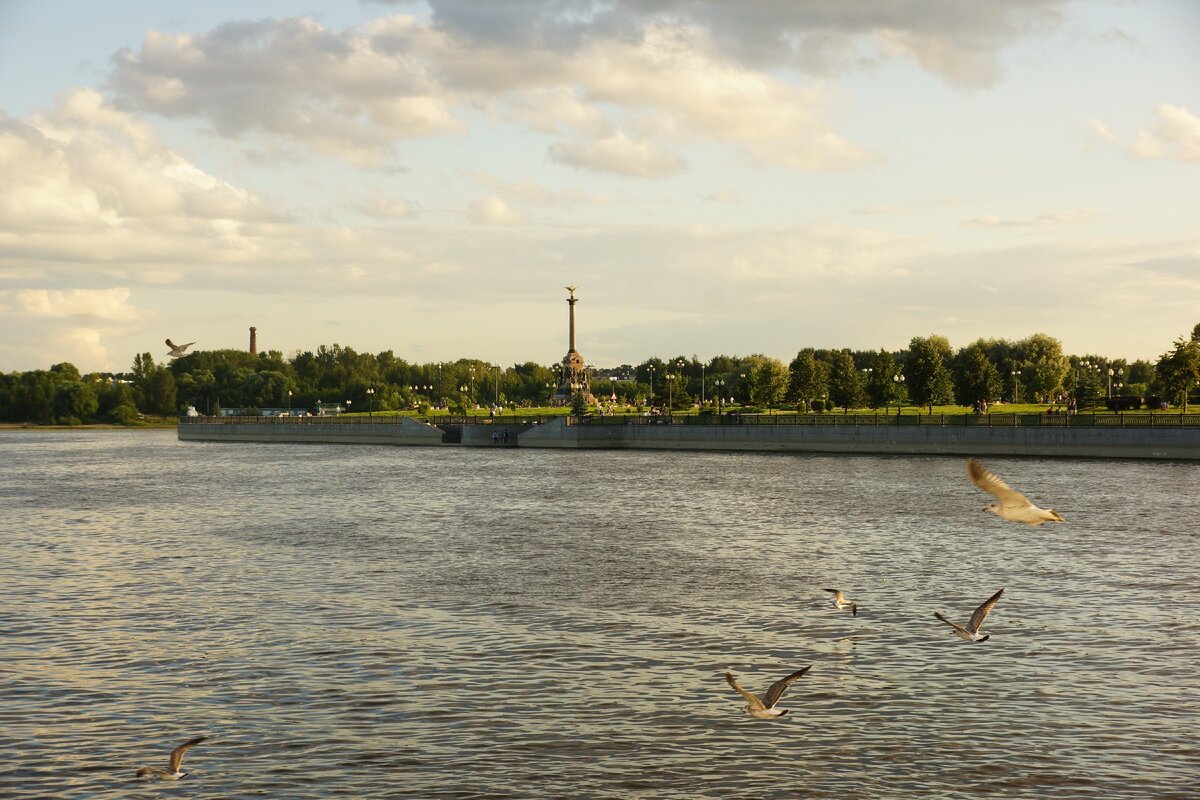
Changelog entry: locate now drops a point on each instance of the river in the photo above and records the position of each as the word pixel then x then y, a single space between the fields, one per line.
pixel 386 622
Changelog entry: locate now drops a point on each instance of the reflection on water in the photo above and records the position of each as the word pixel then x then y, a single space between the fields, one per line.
pixel 379 622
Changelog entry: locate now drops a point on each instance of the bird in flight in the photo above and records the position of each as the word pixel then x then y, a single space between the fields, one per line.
pixel 764 707
pixel 177 349
pixel 840 601
pixel 971 631
pixel 176 761
pixel 1010 504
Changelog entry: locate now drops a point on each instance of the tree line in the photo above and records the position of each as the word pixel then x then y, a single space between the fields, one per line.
pixel 929 372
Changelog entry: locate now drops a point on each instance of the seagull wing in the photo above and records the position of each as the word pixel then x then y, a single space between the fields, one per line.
pixel 838 597
pixel 170 344
pixel 751 698
pixel 981 613
pixel 778 687
pixel 177 753
pixel 993 485
pixel 954 625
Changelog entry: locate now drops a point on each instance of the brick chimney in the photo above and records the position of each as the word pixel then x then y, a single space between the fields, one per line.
pixel 253 340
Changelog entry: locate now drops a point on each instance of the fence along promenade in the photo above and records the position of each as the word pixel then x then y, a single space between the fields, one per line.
pixel 989 420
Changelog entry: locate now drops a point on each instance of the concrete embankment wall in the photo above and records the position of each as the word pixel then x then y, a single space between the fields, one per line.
pixel 1148 443
pixel 406 432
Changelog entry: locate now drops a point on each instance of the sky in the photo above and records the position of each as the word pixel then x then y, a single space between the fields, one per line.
pixel 714 177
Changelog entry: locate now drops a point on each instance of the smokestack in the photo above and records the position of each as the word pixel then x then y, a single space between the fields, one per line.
pixel 253 340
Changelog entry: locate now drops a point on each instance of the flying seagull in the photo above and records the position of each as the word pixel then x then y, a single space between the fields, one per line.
pixel 764 707
pixel 971 631
pixel 176 761
pixel 178 349
pixel 840 601
pixel 1011 504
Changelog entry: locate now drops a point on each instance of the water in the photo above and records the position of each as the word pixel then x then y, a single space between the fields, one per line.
pixel 376 622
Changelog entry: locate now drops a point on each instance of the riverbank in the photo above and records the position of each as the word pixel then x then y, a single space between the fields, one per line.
pixel 1016 438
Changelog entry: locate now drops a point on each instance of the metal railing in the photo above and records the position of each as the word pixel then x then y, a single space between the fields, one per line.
pixel 378 419
pixel 991 420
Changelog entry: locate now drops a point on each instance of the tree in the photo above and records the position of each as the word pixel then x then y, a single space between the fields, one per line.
pixel 845 382
pixel 767 380
pixel 882 387
pixel 1178 371
pixel 1043 365
pixel 808 378
pixel 928 377
pixel 975 376
pixel 579 406
pixel 74 402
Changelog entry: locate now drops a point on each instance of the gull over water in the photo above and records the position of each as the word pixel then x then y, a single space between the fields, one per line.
pixel 1010 504
pixel 172 773
pixel 840 602
pixel 971 631
pixel 764 707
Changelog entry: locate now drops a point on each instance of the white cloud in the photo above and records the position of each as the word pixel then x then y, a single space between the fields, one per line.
pixel 378 204
pixel 354 94
pixel 106 304
pixel 1099 131
pixel 492 210
pixel 1177 135
pixel 1040 221
pixel 618 154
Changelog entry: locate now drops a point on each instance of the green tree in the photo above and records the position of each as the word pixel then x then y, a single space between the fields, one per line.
pixel 74 402
pixel 1043 365
pixel 767 380
pixel 1178 371
pixel 975 376
pixel 846 382
pixel 808 378
pixel 579 405
pixel 882 387
pixel 928 377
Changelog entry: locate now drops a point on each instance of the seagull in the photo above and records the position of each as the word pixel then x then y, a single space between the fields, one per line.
pixel 840 601
pixel 177 349
pixel 971 632
pixel 176 761
pixel 1012 504
pixel 764 707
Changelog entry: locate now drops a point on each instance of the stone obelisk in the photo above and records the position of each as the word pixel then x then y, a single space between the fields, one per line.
pixel 574 372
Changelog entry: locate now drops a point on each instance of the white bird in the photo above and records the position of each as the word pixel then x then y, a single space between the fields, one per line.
pixel 971 631
pixel 176 762
pixel 764 707
pixel 840 601
pixel 1011 505
pixel 177 349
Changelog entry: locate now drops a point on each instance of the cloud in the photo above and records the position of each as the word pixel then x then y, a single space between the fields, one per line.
pixel 104 304
pixel 491 210
pixel 816 36
pixel 1099 131
pixel 355 94
pixel 349 95
pixel 376 204
pixel 1176 137
pixel 620 155
pixel 1041 221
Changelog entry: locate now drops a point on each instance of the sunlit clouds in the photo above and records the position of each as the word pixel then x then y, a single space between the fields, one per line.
pixel 750 177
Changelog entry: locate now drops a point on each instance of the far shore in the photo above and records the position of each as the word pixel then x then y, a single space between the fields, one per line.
pixel 98 426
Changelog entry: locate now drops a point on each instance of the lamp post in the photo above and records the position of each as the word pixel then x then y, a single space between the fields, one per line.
pixel 867 378
pixel 701 385
pixel 1110 376
pixel 670 387
pixel 371 398
pixel 348 404
pixel 719 385
pixel 651 368
pixel 1016 392
pixel 289 402
pixel 898 382
pixel 497 383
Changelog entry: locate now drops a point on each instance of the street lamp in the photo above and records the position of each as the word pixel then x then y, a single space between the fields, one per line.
pixel 371 397
pixel 701 385
pixel 1110 374
pixel 670 386
pixel 867 377
pixel 651 368
pixel 898 381
pixel 1015 376
pixel 348 404
pixel 497 366
pixel 719 384
pixel 289 402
